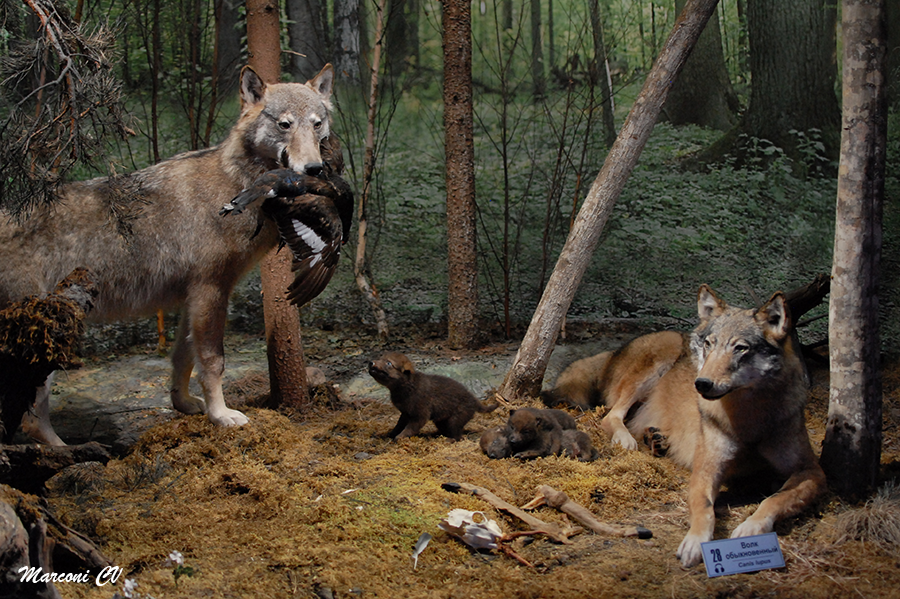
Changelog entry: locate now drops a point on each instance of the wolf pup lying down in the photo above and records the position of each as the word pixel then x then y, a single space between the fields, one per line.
pixel 422 397
pixel 154 238
pixel 734 397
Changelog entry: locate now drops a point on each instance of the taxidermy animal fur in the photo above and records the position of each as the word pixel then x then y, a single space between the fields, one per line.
pixel 732 401
pixel 422 397
pixel 154 238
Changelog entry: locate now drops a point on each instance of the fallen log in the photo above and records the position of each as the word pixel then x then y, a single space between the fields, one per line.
pixel 28 467
pixel 31 537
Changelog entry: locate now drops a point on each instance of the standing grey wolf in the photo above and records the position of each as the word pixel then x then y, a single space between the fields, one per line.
pixel 422 397
pixel 732 401
pixel 154 238
pixel 619 380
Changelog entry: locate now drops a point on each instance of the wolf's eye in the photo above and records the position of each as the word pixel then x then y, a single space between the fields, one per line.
pixel 317 125
pixel 389 365
pixel 741 348
pixel 284 125
pixel 707 343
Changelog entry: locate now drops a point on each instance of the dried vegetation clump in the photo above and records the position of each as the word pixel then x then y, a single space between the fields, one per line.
pixel 326 504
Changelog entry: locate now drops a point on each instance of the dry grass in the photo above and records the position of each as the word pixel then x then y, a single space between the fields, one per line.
pixel 285 508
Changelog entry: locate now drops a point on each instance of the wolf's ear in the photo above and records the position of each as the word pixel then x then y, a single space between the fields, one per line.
pixel 323 82
pixel 775 317
pixel 252 87
pixel 708 304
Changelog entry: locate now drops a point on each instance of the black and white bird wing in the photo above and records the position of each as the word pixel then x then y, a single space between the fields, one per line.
pixel 311 228
pixel 282 182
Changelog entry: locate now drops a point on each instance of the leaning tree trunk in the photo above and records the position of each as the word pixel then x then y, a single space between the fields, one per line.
pixel 287 371
pixel 851 453
pixel 460 172
pixel 527 372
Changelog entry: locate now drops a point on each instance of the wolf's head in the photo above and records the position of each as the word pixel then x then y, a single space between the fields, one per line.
pixel 736 348
pixel 284 124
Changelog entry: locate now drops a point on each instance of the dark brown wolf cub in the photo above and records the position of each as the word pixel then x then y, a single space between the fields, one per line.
pixel 422 397
pixel 535 433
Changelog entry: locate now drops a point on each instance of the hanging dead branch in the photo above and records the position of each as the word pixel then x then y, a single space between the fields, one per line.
pixel 61 101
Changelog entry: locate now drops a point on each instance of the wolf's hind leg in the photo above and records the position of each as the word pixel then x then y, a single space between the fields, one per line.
pixel 182 366
pixel 37 424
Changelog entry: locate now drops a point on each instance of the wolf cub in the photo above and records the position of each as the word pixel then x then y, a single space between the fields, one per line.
pixel 422 397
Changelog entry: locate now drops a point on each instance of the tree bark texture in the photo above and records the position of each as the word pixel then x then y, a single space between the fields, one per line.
pixel 527 372
pixel 346 40
pixel 851 452
pixel 793 70
pixel 459 148
pixel 287 371
pixel 703 94
pixel 307 35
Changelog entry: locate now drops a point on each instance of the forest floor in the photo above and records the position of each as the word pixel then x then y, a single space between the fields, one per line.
pixel 321 504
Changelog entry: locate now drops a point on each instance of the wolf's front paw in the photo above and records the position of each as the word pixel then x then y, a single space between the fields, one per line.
pixel 689 552
pixel 228 417
pixel 188 404
pixel 625 439
pixel 751 526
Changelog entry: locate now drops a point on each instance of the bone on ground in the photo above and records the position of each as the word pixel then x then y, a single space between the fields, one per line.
pixel 557 499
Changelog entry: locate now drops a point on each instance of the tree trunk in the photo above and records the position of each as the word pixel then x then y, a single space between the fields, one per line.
pixel 851 453
pixel 703 94
pixel 359 264
pixel 600 74
pixel 229 43
pixel 525 376
pixel 401 35
pixel 462 299
pixel 307 36
pixel 538 83
pixel 287 371
pixel 346 41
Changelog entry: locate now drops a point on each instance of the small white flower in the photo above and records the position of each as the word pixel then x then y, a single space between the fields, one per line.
pixel 128 587
pixel 176 559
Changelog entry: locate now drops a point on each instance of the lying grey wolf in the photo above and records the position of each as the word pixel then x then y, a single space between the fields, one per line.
pixel 422 397
pixel 536 433
pixel 734 400
pixel 618 380
pixel 154 238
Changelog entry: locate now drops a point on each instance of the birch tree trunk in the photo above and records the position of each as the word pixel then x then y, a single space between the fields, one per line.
pixel 287 371
pixel 527 372
pixel 851 453
pixel 459 147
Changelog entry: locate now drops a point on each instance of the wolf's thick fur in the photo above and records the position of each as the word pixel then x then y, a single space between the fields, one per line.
pixel 618 380
pixel 422 397
pixel 536 433
pixel 154 239
pixel 736 399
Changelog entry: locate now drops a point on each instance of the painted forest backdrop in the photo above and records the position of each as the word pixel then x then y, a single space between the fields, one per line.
pixel 736 187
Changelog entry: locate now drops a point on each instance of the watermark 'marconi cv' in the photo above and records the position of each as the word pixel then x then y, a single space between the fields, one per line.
pixel 109 574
